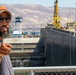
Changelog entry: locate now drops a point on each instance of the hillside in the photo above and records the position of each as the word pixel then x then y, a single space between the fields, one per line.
pixel 37 16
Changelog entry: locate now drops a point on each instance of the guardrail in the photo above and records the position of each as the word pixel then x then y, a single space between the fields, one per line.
pixel 56 70
pixel 21 40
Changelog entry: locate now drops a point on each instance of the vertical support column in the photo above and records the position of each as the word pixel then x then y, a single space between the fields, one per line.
pixel 32 72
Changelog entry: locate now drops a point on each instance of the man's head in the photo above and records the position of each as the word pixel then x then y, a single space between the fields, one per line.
pixel 5 19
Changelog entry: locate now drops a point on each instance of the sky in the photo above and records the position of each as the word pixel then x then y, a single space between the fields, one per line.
pixel 62 3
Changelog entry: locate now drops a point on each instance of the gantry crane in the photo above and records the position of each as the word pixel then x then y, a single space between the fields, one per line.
pixel 56 17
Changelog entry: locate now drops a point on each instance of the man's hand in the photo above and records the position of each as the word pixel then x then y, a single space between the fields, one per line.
pixel 5 49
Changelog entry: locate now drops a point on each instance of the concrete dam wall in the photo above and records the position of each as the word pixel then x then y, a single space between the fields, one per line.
pixel 60 47
pixel 54 48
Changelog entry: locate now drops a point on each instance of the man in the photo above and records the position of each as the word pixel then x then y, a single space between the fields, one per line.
pixel 5 63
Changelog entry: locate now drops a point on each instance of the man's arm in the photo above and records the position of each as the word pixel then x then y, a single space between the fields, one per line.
pixel 5 49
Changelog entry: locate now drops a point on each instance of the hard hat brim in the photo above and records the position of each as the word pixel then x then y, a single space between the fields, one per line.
pixel 1 11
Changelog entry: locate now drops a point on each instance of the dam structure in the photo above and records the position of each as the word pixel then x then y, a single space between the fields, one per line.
pixel 60 47
pixel 55 47
pixel 26 52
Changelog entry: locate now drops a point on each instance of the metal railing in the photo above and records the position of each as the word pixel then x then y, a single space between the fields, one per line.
pixel 55 70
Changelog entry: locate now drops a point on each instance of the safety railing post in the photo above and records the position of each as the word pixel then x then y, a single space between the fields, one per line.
pixel 31 72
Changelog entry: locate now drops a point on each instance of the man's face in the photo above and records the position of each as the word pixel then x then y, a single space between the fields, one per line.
pixel 4 23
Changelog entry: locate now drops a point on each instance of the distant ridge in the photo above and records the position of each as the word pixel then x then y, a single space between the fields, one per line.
pixel 38 15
